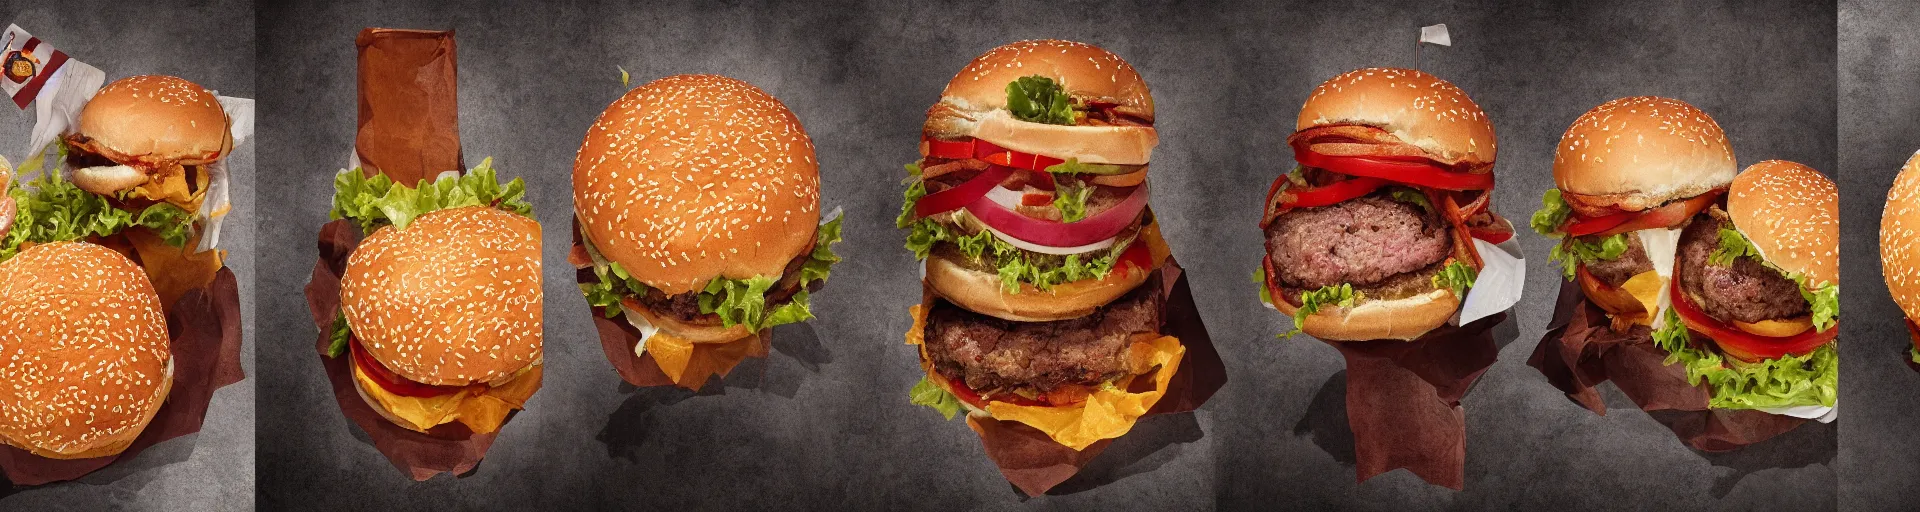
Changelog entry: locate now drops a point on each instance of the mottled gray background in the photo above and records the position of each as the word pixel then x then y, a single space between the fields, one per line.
pixel 210 43
pixel 1880 129
pixel 824 422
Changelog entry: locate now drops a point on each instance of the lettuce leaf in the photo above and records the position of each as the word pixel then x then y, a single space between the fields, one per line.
pixel 744 301
pixel 1822 298
pixel 1341 295
pixel 928 394
pixel 1572 251
pixel 1553 212
pixel 1915 352
pixel 341 333
pixel 614 283
pixel 1075 166
pixel 1410 196
pixel 377 201
pixel 1070 197
pixel 1039 99
pixel 1811 380
pixel 1012 264
pixel 52 209
pixel 1456 276
pixel 1260 278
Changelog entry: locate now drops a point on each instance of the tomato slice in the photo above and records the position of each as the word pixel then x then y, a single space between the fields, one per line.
pixel 1330 194
pixel 392 382
pixel 1584 227
pixel 968 395
pixel 1028 161
pixel 1741 344
pixel 1419 172
pixel 957 197
pixel 1667 215
pixel 1492 236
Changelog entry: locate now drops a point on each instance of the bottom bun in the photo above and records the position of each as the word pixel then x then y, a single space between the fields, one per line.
pixel 1398 319
pixel 984 293
pixel 689 332
pixel 112 445
pixel 360 388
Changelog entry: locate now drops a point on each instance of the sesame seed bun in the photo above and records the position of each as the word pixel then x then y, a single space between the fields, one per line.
pixel 693 177
pixel 1397 319
pixel 1791 213
pixel 154 119
pixel 974 103
pixel 984 292
pixel 1632 154
pixel 1418 108
pixel 1900 239
pixel 86 347
pixel 452 299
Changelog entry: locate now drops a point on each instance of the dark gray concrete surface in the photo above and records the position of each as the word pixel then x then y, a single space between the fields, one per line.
pixel 210 43
pixel 824 422
pixel 1879 129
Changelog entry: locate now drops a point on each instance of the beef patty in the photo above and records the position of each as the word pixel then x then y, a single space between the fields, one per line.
pixel 1747 290
pixel 1363 241
pixel 1617 271
pixel 989 353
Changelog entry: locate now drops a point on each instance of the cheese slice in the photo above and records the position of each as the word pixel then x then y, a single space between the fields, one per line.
pixel 687 363
pixel 481 408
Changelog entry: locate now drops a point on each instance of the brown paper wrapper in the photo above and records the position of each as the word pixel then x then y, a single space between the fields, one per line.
pixel 449 448
pixel 409 104
pixel 617 339
pixel 1580 351
pixel 1403 400
pixel 1034 463
pixel 205 326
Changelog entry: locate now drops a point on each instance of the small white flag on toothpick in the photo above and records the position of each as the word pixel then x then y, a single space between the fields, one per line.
pixel 1436 34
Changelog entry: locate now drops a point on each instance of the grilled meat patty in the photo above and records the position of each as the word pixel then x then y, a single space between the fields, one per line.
pixel 1364 241
pixel 1747 290
pixel 989 353
pixel 1617 271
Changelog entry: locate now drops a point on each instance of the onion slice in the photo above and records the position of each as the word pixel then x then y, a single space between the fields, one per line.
pixel 964 194
pixel 1087 231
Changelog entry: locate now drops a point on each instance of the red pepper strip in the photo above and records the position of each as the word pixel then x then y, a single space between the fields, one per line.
pixel 1492 237
pixel 1584 227
pixel 1744 345
pixel 1036 200
pixel 1099 226
pixel 959 196
pixel 1332 193
pixel 1018 160
pixel 1424 174
pixel 951 150
pixel 391 382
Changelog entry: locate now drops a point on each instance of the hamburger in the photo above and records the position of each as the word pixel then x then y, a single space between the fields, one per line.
pixel 1735 275
pixel 698 204
pixel 440 305
pixel 143 179
pixel 1899 256
pixel 1371 235
pixel 86 347
pixel 1028 207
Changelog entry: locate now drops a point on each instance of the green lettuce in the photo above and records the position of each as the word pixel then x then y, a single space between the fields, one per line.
pixel 1342 295
pixel 341 333
pixel 1075 166
pixel 1039 99
pixel 1572 251
pixel 1915 352
pixel 1071 198
pixel 52 209
pixel 1822 298
pixel 1014 265
pixel 613 283
pixel 1410 196
pixel 1806 380
pixel 744 301
pixel 377 201
pixel 929 394
pixel 1456 276
pixel 1260 278
pixel 1553 212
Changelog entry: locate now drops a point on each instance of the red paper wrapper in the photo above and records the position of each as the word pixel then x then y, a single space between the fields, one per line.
pixel 1034 463
pixel 449 448
pixel 1580 351
pixel 1403 400
pixel 205 325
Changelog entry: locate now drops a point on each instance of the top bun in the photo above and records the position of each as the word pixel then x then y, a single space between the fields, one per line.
pixel 86 343
pixel 693 177
pixel 1418 108
pixel 452 299
pixel 154 119
pixel 1640 152
pixel 1900 239
pixel 1080 68
pixel 1791 213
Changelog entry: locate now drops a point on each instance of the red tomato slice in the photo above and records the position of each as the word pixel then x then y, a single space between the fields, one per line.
pixel 1018 160
pixel 1584 227
pixel 392 382
pixel 1420 172
pixel 1332 193
pixel 957 197
pixel 1491 236
pixel 1741 344
pixel 1137 256
pixel 1667 215
pixel 968 395
pixel 1036 200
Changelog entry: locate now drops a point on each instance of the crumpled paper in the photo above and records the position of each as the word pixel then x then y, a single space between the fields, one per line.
pixel 205 326
pixel 449 448
pixel 1580 351
pixel 1403 400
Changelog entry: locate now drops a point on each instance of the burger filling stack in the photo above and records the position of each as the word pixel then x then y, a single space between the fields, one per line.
pixel 1028 207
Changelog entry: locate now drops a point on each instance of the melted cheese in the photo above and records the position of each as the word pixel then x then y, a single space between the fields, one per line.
pixel 482 412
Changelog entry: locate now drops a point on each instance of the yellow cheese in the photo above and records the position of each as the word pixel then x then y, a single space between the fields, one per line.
pixel 482 413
